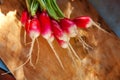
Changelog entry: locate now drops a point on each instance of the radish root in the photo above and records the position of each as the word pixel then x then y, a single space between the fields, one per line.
pixel 56 55
pixel 74 52
pixel 25 37
pixel 18 67
pixel 38 52
pixel 71 55
pixel 28 59
pixel 95 24
pixel 30 52
pixel 85 45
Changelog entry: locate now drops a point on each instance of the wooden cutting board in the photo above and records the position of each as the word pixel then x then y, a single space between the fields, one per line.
pixel 100 63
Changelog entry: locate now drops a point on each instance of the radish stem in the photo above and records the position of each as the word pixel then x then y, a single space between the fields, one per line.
pixel 56 54
pixel 28 5
pixel 57 9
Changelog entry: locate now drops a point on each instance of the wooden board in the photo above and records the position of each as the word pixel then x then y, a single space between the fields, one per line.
pixel 100 63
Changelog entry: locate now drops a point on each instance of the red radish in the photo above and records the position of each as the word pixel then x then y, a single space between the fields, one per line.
pixel 46 32
pixel 51 39
pixel 69 27
pixel 45 25
pixel 85 22
pixel 57 56
pixel 57 31
pixel 60 36
pixel 24 17
pixel 62 43
pixel 33 30
pixel 67 45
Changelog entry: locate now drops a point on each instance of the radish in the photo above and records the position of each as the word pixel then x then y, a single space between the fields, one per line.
pixel 86 22
pixel 62 43
pixel 32 28
pixel 46 32
pixel 61 37
pixel 69 27
pixel 57 31
pixel 83 22
pixel 66 45
pixel 45 25
pixel 85 45
pixel 24 17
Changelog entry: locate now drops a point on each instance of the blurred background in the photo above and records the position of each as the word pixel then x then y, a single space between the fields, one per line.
pixel 110 12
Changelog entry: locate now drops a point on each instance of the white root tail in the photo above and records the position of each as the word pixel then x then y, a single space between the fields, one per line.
pixel 85 45
pixel 38 51
pixel 59 60
pixel 28 59
pixel 95 24
pixel 74 52
pixel 30 52
pixel 25 37
pixel 18 67
pixel 71 55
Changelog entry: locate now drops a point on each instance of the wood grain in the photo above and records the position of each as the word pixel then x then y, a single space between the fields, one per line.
pixel 100 63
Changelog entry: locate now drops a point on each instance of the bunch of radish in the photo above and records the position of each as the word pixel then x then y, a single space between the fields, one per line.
pixel 44 18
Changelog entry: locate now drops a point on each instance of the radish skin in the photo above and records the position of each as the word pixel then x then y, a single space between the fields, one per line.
pixel 62 43
pixel 83 22
pixel 69 27
pixel 24 17
pixel 57 31
pixel 45 25
pixel 86 22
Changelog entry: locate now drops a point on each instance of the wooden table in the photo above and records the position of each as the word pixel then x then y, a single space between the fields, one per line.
pixel 100 63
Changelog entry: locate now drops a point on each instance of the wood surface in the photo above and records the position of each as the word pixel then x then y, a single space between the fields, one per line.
pixel 99 63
